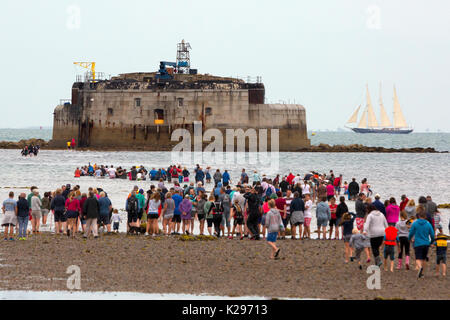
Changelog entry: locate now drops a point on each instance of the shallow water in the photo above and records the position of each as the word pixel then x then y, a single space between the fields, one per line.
pixel 388 174
pixel 99 295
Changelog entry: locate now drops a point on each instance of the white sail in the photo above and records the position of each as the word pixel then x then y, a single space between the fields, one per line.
pixel 373 123
pixel 385 122
pixel 363 122
pixel 354 116
pixel 399 119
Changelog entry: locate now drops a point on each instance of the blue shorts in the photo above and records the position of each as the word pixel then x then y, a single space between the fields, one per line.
pixel 272 237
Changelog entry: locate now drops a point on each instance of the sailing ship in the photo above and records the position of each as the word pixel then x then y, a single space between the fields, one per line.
pixel 369 123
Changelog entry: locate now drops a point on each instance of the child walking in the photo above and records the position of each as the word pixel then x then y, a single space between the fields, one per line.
pixel 358 242
pixel 347 222
pixel 403 230
pixel 115 219
pixel 441 253
pixel 274 224
pixel 390 241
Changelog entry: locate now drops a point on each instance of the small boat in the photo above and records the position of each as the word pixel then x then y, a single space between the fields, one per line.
pixel 369 123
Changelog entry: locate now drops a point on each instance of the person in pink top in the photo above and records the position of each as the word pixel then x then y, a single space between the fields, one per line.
pixel 392 212
pixel 73 209
pixel 330 191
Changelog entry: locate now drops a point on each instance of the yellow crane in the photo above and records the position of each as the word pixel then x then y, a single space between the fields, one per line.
pixel 87 65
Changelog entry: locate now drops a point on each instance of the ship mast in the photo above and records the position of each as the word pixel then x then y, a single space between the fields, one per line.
pixel 399 119
pixel 385 122
pixel 372 119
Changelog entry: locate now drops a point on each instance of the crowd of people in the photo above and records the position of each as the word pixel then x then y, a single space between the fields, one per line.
pixel 31 150
pixel 266 207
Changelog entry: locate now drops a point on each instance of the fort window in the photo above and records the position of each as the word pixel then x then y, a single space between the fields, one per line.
pixel 159 116
pixel 137 102
pixel 110 111
pixel 208 111
pixel 180 102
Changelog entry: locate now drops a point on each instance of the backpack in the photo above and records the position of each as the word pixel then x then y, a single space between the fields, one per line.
pixel 238 210
pixel 132 206
pixel 268 191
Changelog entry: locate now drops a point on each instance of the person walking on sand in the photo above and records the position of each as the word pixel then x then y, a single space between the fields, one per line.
pixel 185 209
pixel 9 220
pixel 441 253
pixel 297 208
pixel 333 221
pixel 105 207
pixel 274 224
pixel 36 214
pixel 23 212
pixel 347 230
pixel 152 220
pixel 375 227
pixel 358 243
pixel 73 211
pixel 403 231
pixel 323 216
pixel 392 212
pixel 58 206
pixel 390 242
pixel 91 209
pixel 208 209
pixel 167 214
pixel 238 219
pixel 423 234
pixel 361 211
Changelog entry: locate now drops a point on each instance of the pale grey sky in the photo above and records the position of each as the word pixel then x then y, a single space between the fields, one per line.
pixel 318 53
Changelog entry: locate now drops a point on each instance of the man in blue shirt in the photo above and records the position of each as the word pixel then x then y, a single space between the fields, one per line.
pixel 153 173
pixel 177 198
pixel 105 207
pixel 226 178
pixel 199 175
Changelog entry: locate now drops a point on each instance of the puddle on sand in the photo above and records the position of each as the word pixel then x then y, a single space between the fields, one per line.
pixel 85 295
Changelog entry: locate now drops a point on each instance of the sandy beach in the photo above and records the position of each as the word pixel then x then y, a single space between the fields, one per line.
pixel 306 269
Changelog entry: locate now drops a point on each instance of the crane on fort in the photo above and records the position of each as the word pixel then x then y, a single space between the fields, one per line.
pixel 89 66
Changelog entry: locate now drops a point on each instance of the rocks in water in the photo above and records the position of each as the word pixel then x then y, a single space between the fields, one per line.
pixel 323 147
pixel 22 143
pixel 444 206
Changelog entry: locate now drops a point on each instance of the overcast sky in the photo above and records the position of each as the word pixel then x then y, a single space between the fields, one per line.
pixel 317 53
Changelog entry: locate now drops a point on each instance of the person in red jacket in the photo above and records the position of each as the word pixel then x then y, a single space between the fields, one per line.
pixel 403 203
pixel 290 178
pixel 390 241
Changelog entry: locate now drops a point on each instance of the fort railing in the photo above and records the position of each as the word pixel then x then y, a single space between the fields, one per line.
pixel 249 79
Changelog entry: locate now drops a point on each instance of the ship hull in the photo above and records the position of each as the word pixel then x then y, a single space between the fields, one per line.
pixel 383 130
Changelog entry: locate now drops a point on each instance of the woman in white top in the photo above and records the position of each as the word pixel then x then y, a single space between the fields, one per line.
pixel 152 215
pixel 306 189
pixel 307 216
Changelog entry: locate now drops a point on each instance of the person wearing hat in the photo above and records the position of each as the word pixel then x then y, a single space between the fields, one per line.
pixel 379 205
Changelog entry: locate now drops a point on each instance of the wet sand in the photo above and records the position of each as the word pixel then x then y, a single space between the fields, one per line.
pixel 306 269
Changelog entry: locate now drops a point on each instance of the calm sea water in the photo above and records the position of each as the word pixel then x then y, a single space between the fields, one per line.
pixel 439 141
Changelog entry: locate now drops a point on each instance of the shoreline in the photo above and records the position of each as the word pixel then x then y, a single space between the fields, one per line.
pixel 325 148
pixel 233 268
